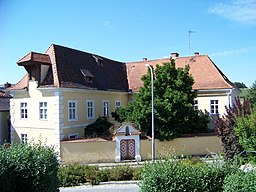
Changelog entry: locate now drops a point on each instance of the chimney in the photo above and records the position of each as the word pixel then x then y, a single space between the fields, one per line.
pixel 196 53
pixel 7 85
pixel 144 59
pixel 174 55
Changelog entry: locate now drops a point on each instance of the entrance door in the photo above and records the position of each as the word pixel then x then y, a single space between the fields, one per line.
pixel 127 147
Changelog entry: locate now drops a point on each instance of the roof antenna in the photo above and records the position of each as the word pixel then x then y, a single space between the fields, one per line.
pixel 189 33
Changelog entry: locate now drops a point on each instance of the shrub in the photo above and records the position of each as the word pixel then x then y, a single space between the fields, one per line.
pixel 121 173
pixel 100 128
pixel 76 174
pixel 225 127
pixel 71 175
pixel 240 181
pixel 177 176
pixel 28 167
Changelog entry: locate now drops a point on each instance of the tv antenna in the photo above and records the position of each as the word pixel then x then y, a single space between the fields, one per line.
pixel 189 33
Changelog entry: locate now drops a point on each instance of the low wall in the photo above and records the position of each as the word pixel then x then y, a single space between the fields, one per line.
pixel 104 151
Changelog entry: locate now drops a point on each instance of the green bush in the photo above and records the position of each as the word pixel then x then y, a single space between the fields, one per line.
pixel 71 175
pixel 121 173
pixel 240 182
pixel 76 174
pixel 179 176
pixel 100 128
pixel 28 167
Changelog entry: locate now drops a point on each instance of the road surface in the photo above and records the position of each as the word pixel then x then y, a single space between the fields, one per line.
pixel 104 188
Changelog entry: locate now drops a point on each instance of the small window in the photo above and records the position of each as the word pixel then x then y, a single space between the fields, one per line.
pixel 118 103
pixel 214 106
pixel 105 105
pixel 195 104
pixel 24 138
pixel 88 76
pixel 90 109
pixel 73 136
pixel 43 110
pixel 98 60
pixel 23 111
pixel 72 110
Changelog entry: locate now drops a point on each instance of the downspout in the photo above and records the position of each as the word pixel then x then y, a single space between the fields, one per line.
pixel 230 103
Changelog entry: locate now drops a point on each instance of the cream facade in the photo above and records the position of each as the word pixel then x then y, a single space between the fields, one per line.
pixel 214 101
pixel 55 124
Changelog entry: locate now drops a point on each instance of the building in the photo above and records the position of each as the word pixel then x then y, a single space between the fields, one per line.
pixel 65 89
pixel 4 114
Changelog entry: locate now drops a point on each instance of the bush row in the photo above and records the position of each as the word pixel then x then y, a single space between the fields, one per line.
pixel 76 174
pixel 28 167
pixel 178 176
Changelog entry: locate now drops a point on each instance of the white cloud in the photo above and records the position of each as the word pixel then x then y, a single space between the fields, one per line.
pixel 243 11
pixel 233 52
pixel 107 24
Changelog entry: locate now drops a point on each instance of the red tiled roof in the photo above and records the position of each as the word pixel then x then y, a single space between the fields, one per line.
pixel 34 57
pixel 68 67
pixel 205 73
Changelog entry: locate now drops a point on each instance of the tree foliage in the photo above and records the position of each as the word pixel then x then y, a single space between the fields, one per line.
pixel 252 95
pixel 246 133
pixel 173 104
pixel 240 85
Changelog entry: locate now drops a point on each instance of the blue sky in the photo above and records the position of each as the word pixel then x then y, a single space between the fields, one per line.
pixel 131 30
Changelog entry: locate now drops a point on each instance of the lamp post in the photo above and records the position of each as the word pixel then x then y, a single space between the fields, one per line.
pixel 152 99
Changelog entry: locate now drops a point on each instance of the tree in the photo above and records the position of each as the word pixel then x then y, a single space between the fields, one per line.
pixel 240 85
pixel 173 103
pixel 252 95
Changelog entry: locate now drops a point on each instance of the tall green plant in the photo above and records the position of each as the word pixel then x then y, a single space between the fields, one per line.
pixel 173 103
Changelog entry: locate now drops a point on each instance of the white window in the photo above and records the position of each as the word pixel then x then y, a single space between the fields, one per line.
pixel 195 104
pixel 105 107
pixel 24 138
pixel 73 136
pixel 42 110
pixel 118 103
pixel 23 110
pixel 90 109
pixel 214 106
pixel 72 110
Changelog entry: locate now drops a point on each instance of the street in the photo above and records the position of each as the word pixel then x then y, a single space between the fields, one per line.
pixel 103 188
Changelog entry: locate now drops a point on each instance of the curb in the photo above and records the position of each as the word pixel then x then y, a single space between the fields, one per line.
pixel 119 182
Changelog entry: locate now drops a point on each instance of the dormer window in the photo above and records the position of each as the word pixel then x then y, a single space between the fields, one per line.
pixel 88 76
pixel 98 60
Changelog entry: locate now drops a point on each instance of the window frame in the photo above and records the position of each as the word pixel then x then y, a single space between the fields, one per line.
pixel 92 112
pixel 118 101
pixel 44 111
pixel 72 111
pixel 75 135
pixel 23 110
pixel 214 107
pixel 23 138
pixel 196 104
pixel 103 108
